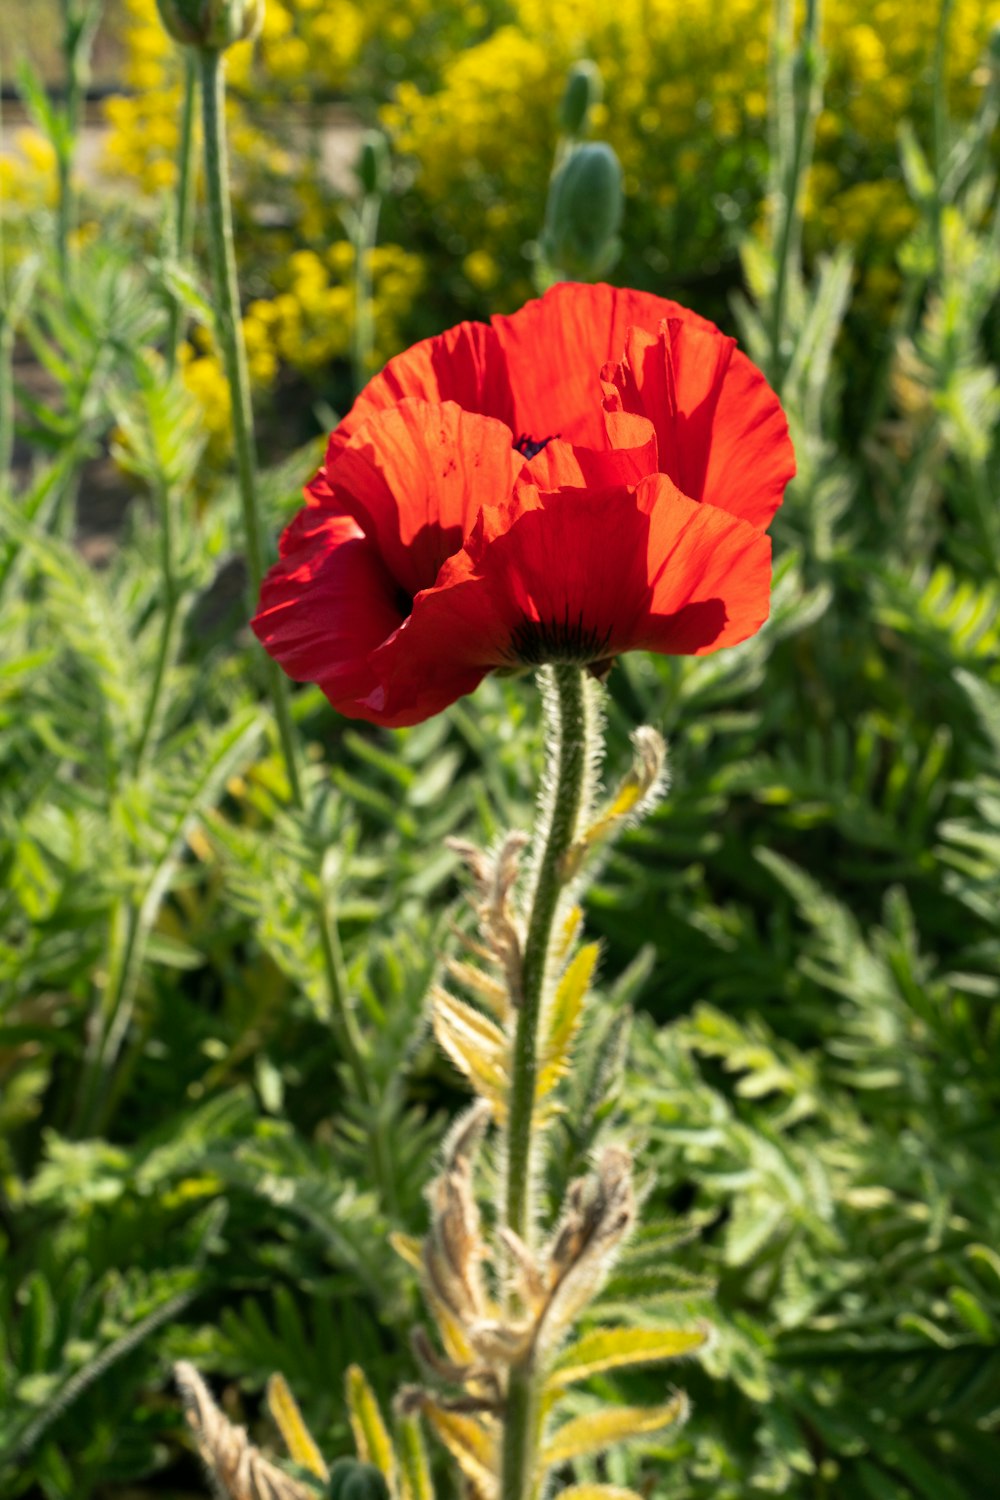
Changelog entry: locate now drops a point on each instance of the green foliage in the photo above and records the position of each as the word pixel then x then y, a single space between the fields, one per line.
pixel 796 1018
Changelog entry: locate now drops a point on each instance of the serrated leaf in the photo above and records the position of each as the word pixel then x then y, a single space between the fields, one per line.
pixel 476 1046
pixel 619 1348
pixel 469 1444
pixel 287 1418
pixel 598 1492
pixel 599 1430
pixel 483 985
pixel 567 1010
pixel 371 1436
pixel 413 1462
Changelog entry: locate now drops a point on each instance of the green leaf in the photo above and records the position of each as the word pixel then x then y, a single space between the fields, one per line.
pixel 618 1348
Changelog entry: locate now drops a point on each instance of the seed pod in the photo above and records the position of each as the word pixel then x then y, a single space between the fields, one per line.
pixel 586 202
pixel 211 25
pixel 373 164
pixel 584 89
pixel 351 1480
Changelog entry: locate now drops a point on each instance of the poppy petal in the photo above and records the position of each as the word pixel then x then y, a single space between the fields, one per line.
pixel 464 364
pixel 415 477
pixel 555 348
pixel 709 574
pixel 326 605
pixel 721 434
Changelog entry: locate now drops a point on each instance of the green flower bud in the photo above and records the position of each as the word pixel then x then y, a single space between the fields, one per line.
pixel 211 25
pixel 584 89
pixel 584 214
pixel 350 1480
pixel 373 163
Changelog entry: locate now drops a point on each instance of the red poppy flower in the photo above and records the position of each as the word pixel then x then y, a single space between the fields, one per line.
pixel 608 368
pixel 586 477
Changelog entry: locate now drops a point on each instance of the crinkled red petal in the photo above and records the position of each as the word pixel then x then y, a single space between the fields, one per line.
pixel 721 434
pixel 414 477
pixel 577 574
pixel 709 574
pixel 326 606
pixel 463 364
pixel 555 348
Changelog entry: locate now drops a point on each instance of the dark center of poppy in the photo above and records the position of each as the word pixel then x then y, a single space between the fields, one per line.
pixel 535 641
pixel 403 600
pixel 529 446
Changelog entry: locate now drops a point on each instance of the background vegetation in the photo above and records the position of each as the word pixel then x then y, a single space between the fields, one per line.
pixel 799 1018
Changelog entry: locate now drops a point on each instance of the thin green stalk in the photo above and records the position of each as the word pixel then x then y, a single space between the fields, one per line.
pixel 171 600
pixel 234 354
pixel 522 1433
pixel 6 356
pixel 940 126
pixel 363 340
pixel 80 21
pixel 803 95
pixel 223 258
pixel 568 725
pixel 568 738
pixel 184 213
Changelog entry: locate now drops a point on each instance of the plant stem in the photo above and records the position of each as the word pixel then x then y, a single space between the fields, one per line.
pixel 234 354
pixel 171 600
pixel 184 220
pixel 6 349
pixel 521 1433
pixel 567 715
pixel 230 335
pixel 363 340
pixel 940 126
pixel 564 804
pixel 795 147
pixel 80 22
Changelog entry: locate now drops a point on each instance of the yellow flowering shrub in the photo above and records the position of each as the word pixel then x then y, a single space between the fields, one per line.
pixel 470 98
pixel 686 105
pixel 307 325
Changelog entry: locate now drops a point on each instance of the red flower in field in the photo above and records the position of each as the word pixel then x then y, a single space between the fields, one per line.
pixel 586 477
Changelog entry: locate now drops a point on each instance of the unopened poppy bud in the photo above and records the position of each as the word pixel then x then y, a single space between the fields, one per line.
pixel 584 89
pixel 586 202
pixel 373 164
pixel 350 1480
pixel 211 25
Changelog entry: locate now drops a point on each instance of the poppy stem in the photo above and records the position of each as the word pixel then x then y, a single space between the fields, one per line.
pixel 230 336
pixel 571 755
pixel 184 211
pixel 571 742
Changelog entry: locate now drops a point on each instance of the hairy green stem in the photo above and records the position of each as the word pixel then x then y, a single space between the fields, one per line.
pixel 184 213
pixel 568 724
pixel 522 1433
pixel 568 739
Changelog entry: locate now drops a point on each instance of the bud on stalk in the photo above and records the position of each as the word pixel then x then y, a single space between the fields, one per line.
pixel 373 164
pixel 211 25
pixel 584 89
pixel 584 212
